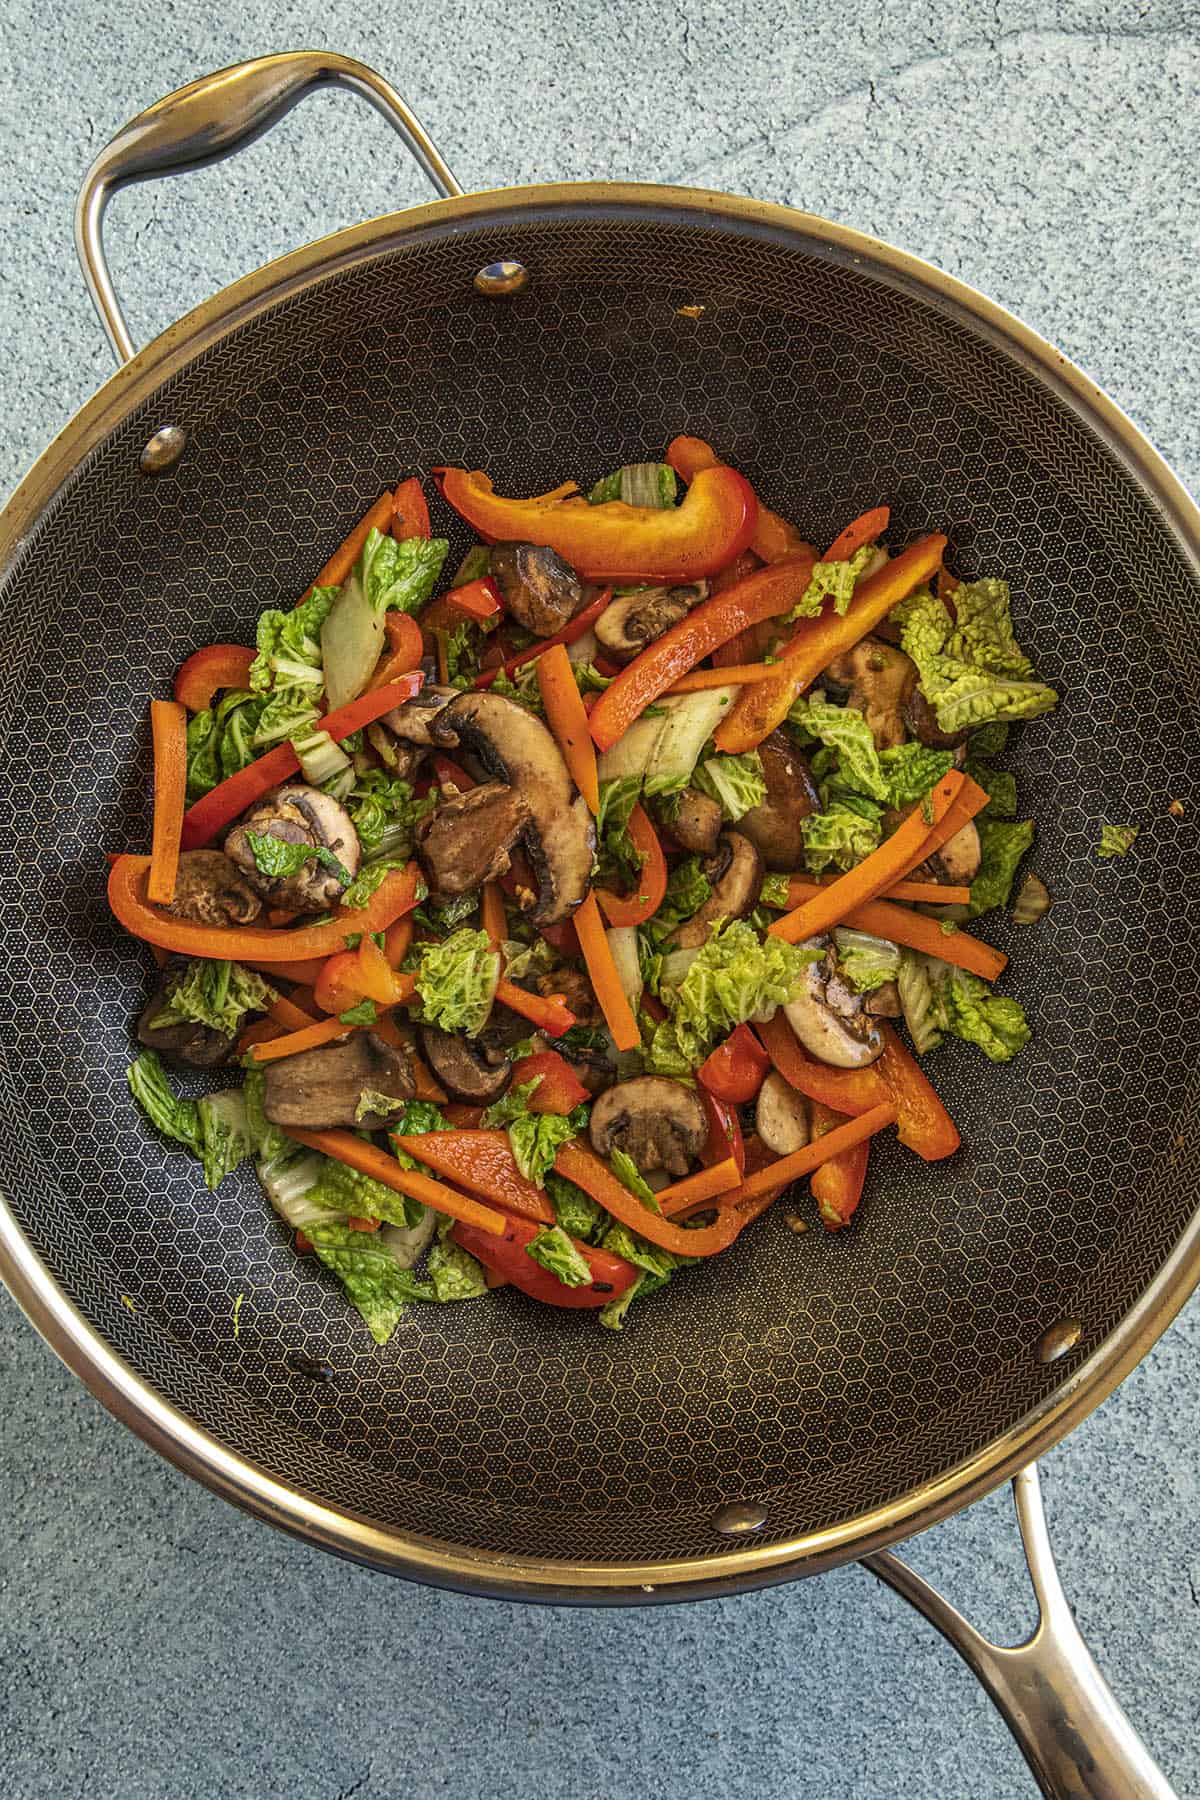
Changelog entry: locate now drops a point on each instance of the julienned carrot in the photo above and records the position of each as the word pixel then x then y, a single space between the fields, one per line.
pixel 262 1031
pixel 651 883
pixel 762 705
pixel 492 916
pixel 925 893
pixel 971 799
pixel 894 858
pixel 830 1144
pixel 335 571
pixel 602 971
pixel 311 1037
pixel 547 1013
pixel 286 1013
pixel 168 730
pixel 866 529
pixel 916 931
pixel 733 675
pixel 568 721
pixel 838 1184
pixel 706 1184
pixel 368 1159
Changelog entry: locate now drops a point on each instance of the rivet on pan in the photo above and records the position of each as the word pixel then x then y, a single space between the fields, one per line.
pixel 1056 1340
pixel 738 1518
pixel 500 279
pixel 163 450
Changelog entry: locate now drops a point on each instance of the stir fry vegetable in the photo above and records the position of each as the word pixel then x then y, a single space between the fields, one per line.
pixel 541 933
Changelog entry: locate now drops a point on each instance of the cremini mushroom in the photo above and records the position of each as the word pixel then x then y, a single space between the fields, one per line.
pixel 634 620
pixel 879 680
pixel 781 1115
pixel 695 822
pixel 411 721
pixel 300 815
pixel 774 827
pixel 182 1043
pixel 658 1122
pixel 466 1067
pixel 211 890
pixel 921 720
pixel 735 873
pixel 467 839
pixel 884 1001
pixel 317 1089
pixel 829 1018
pixel 541 591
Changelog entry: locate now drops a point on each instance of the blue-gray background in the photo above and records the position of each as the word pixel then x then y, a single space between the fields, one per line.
pixel 152 1641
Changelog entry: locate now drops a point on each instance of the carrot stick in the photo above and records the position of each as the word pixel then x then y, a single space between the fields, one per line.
pixel 368 1159
pixel 285 1012
pixel 568 721
pixel 396 940
pixel 547 1013
pixel 325 1031
pixel 706 1184
pixel 899 853
pixel 492 916
pixel 602 971
pixel 829 1144
pixel 736 675
pixel 347 553
pixel 262 1031
pixel 927 893
pixel 918 932
pixel 971 799
pixel 168 730
pixel 866 529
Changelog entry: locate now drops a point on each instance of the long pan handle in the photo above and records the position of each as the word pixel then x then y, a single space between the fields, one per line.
pixel 1065 1717
pixel 210 119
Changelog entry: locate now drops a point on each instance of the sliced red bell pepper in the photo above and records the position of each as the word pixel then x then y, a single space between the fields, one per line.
pixel 922 1122
pixel 210 815
pixel 205 671
pixel 866 529
pixel 773 537
pixel 558 1089
pixel 724 1132
pixel 483 1163
pixel 613 541
pixel 448 773
pixel 735 1069
pixel 651 884
pixel 478 603
pixel 850 1091
pixel 763 595
pixel 507 1257
pixel 571 632
pixel 410 513
pixel 406 647
pixel 838 1184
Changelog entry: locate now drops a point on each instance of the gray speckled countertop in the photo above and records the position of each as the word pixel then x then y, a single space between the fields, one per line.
pixel 152 1641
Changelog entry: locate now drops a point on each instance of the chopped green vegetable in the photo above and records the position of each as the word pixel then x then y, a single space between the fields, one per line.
pixel 553 1250
pixel 774 893
pixel 454 1272
pixel 843 729
pixel 866 962
pixel 280 860
pixel 457 982
pixel 939 998
pixel 735 976
pixel 1116 840
pixel 1001 848
pixel 373 1104
pixel 688 889
pixel 375 1283
pixel 384 806
pixel 910 771
pixel 215 994
pixel 289 646
pixel 365 1013
pixel 637 484
pixel 576 1212
pixel 923 1013
pixel 225 1135
pixel 370 877
pixel 971 671
pixel 839 837
pixel 630 1176
pixel 267 1140
pixel 400 575
pixel 736 783
pixel 175 1118
pixel 832 579
pixel 534 1138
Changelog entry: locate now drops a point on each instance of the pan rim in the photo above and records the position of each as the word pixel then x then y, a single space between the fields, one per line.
pixel 138 1404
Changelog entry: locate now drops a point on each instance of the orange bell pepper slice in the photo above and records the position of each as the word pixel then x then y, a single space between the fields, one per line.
pixel 482 1162
pixel 773 537
pixel 866 529
pixel 216 666
pixel 923 1123
pixel 838 1184
pixel 410 512
pixel 651 885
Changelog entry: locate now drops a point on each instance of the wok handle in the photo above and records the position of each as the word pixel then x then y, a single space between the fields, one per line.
pixel 1065 1717
pixel 210 119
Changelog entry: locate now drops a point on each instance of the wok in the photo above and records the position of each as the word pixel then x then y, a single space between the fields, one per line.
pixel 798 1402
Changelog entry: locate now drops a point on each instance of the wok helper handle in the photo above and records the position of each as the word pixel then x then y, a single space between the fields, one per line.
pixel 1066 1719
pixel 207 121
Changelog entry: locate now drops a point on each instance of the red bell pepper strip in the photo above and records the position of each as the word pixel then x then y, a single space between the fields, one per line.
pixel 370 1160
pixel 478 603
pixel 336 570
pixel 866 529
pixel 448 773
pixel 483 1163
pixel 406 648
pixel 398 892
pixel 410 514
pixel 545 1011
pixel 570 633
pixel 205 671
pixel 735 1069
pixel 210 815
pixel 838 1184
pixel 651 884
pixel 852 1091
pixel 924 1124
pixel 724 1132
pixel 558 1089
pixel 616 542
pixel 763 595
pixel 773 537
pixel 507 1257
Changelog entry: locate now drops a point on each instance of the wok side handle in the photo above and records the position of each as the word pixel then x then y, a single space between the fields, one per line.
pixel 1066 1719
pixel 210 119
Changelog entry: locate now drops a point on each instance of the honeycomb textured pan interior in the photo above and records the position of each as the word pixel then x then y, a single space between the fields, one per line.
pixel 827 1375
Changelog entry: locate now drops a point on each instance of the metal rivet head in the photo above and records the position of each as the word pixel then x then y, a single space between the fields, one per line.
pixel 1056 1340
pixel 163 450
pixel 500 279
pixel 739 1518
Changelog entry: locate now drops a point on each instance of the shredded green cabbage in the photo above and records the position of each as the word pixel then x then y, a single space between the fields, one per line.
pixel 457 982
pixel 735 976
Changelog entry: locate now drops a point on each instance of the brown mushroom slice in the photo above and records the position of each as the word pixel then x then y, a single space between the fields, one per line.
pixel 298 814
pixel 736 876
pixel 658 1122
pixel 399 758
pixel 884 1002
pixel 774 827
pixel 514 746
pixel 625 628
pixel 879 680
pixel 576 990
pixel 781 1115
pixel 957 862
pixel 463 1066
pixel 322 1088
pixel 412 721
pixel 829 1018
pixel 541 591
pixel 210 889
pixel 466 841
pixel 921 721
pixel 695 822
pixel 183 1043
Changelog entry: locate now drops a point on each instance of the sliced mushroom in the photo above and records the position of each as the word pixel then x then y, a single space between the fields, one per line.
pixel 774 827
pixel 412 720
pixel 398 757
pixel 211 890
pixel 320 1088
pixel 660 1123
pixel 467 840
pixel 514 746
pixel 182 1044
pixel 575 989
pixel 921 721
pixel 463 1067
pixel 736 876
pixel 957 862
pixel 298 814
pixel 879 680
pixel 884 1002
pixel 829 1018
pixel 635 620
pixel 781 1115
pixel 541 591
pixel 696 822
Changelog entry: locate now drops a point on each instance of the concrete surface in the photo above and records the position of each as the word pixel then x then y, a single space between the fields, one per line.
pixel 152 1641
